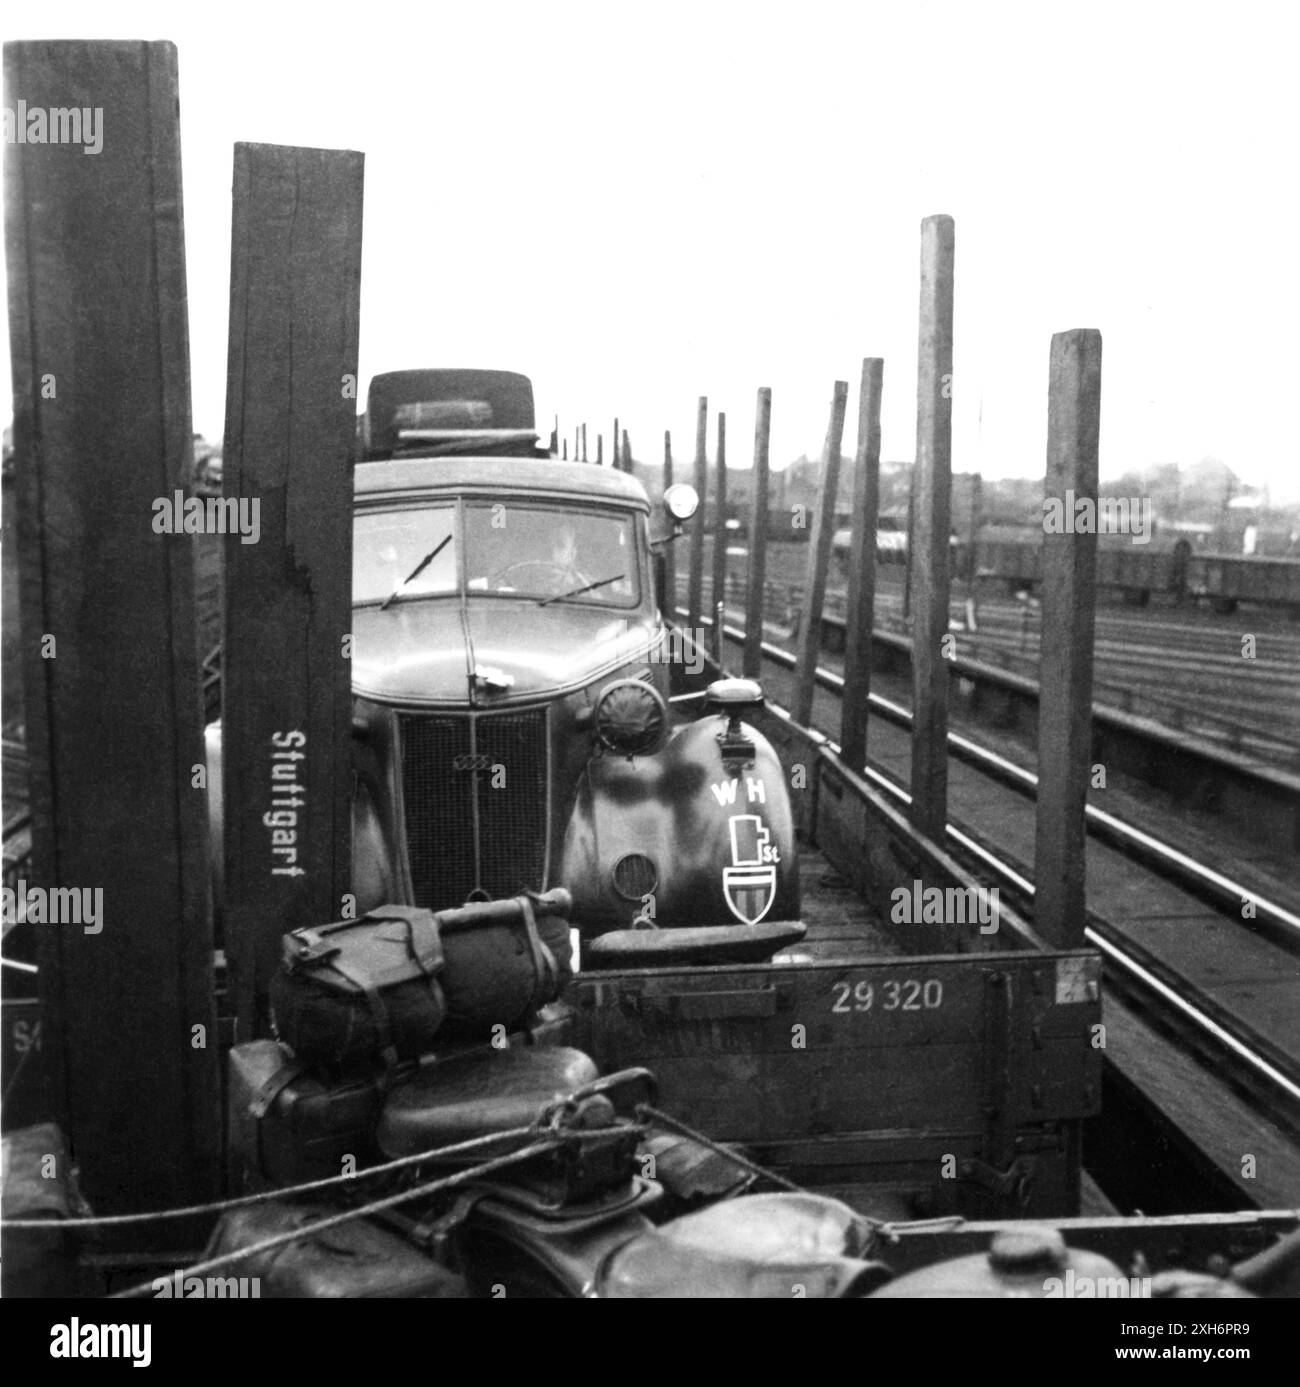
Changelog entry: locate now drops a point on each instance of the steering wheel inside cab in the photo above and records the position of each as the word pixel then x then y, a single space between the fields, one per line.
pixel 547 577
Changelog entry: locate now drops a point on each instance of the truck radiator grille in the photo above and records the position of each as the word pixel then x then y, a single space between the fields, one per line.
pixel 463 832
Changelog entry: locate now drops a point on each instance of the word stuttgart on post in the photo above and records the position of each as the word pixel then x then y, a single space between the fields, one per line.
pixel 58 125
pixel 286 800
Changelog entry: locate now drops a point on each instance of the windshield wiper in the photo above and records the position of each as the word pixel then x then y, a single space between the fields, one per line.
pixel 577 592
pixel 416 571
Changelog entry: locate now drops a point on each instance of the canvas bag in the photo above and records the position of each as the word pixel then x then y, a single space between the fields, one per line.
pixel 358 990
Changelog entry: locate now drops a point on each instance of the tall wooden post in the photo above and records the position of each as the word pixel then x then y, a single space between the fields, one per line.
pixel 1065 662
pixel 718 587
pixel 695 587
pixel 819 553
pixel 615 461
pixel 930 531
pixel 287 707
pixel 754 591
pixel 670 545
pixel 600 450
pixel 972 544
pixel 584 443
pixel 627 454
pixel 860 618
pixel 100 352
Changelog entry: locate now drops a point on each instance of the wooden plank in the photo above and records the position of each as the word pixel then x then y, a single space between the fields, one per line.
pixel 972 545
pixel 718 587
pixel 819 553
pixel 862 568
pixel 930 530
pixel 670 545
pixel 695 582
pixel 294 308
pixel 100 349
pixel 753 661
pixel 1065 650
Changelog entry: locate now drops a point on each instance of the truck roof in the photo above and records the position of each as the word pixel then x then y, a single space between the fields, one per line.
pixel 515 476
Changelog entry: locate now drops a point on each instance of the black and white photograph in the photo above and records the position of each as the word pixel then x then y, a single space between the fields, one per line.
pixel 651 652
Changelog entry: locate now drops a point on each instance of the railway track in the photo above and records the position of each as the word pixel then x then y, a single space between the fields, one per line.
pixel 1181 666
pixel 1188 676
pixel 1169 927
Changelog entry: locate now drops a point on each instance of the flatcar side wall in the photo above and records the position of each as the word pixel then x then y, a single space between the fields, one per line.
pixel 956 1080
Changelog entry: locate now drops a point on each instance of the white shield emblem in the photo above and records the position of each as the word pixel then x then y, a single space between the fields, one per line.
pixel 750 891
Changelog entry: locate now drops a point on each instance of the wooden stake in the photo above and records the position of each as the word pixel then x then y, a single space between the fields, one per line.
pixel 819 553
pixel 1065 662
pixel 860 618
pixel 670 547
pixel 719 584
pixel 294 312
pixel 976 510
pixel 695 589
pixel 753 664
pixel 114 725
pixel 930 531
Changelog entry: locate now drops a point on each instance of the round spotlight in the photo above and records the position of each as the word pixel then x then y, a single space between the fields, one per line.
pixel 630 718
pixel 681 501
pixel 635 876
pixel 734 695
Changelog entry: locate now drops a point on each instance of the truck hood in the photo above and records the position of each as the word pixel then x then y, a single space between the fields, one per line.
pixel 425 652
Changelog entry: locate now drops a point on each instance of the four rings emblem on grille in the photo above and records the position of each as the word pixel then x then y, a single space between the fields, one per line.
pixel 469 762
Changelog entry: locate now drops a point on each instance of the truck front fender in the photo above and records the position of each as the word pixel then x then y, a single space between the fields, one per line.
pixel 683 837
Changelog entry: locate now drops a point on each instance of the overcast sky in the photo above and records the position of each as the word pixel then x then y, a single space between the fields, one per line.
pixel 638 205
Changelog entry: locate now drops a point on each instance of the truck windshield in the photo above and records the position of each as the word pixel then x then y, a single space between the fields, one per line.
pixel 551 555
pixel 504 550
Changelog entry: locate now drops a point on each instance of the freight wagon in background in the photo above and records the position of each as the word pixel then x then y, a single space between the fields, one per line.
pixel 1171 565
